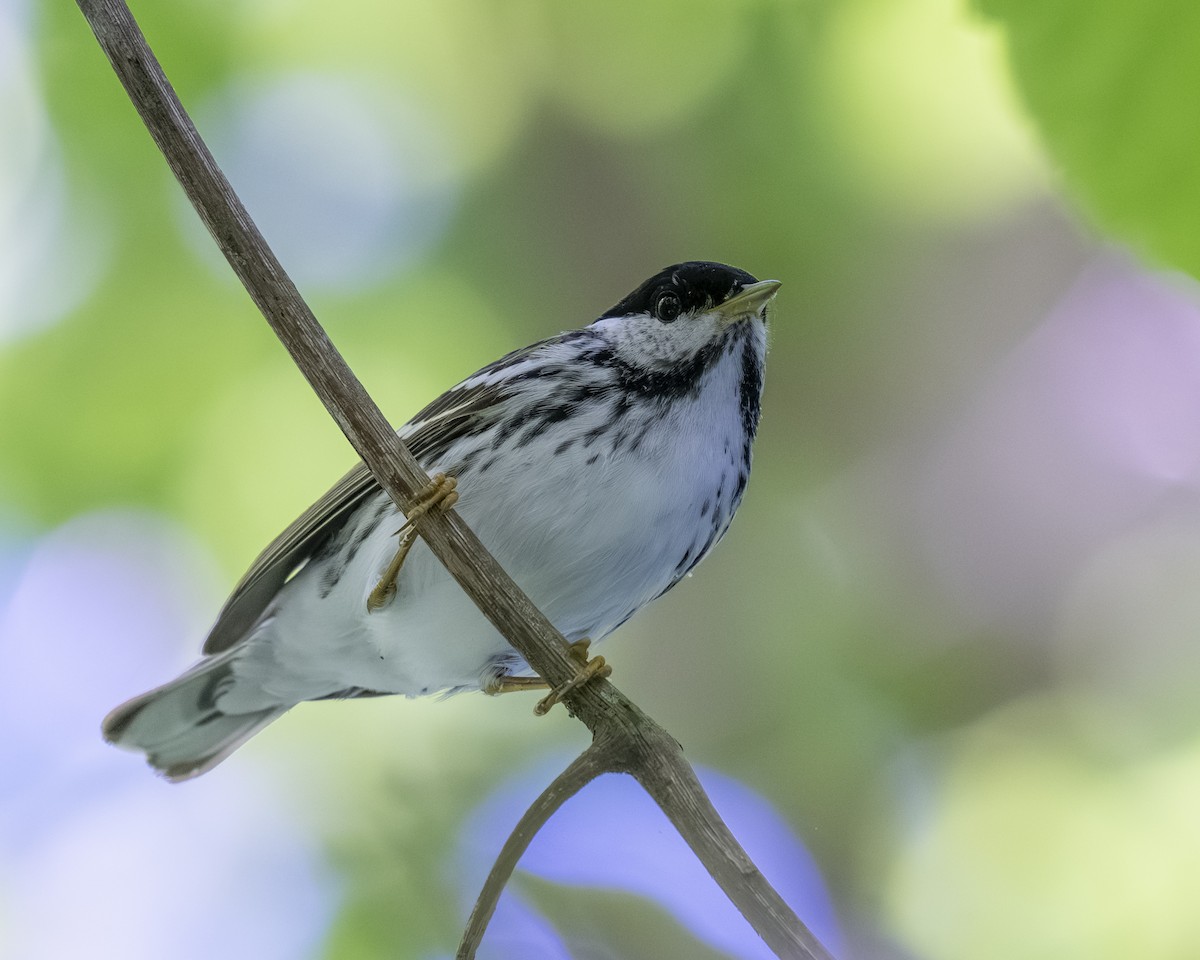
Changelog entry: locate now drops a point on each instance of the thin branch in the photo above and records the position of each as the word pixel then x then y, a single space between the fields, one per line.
pixel 581 771
pixel 676 790
pixel 636 745
pixel 631 740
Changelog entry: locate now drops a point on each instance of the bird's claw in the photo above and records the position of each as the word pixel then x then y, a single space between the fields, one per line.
pixel 441 493
pixel 595 667
pixel 588 669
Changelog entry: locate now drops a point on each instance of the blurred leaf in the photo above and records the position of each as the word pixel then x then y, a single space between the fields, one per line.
pixel 1112 86
pixel 100 408
pixel 103 406
pixel 628 67
pixel 918 96
pixel 261 447
pixel 475 65
pixel 1037 845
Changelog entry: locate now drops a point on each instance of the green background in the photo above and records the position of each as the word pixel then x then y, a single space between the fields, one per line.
pixel 961 663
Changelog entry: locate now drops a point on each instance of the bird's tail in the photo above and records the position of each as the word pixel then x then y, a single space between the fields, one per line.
pixel 179 726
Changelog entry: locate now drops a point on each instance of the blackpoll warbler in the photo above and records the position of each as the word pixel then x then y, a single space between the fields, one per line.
pixel 599 467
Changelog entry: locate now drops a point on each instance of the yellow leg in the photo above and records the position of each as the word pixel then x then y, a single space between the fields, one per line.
pixel 508 684
pixel 595 667
pixel 385 589
pixel 440 493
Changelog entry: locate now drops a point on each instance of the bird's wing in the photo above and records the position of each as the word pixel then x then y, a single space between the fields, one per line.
pixel 429 435
pixel 285 555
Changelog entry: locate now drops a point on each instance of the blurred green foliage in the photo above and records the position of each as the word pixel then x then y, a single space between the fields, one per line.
pixel 1109 86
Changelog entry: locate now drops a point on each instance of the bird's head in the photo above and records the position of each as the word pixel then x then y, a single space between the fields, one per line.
pixel 683 311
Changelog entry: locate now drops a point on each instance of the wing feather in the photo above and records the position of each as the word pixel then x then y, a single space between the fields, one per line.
pixel 429 435
pixel 285 554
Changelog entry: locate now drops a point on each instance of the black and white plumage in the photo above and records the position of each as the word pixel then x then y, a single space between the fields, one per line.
pixel 599 467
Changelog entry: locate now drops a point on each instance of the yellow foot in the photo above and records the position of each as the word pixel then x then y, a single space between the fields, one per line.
pixel 440 493
pixel 507 684
pixel 588 669
pixel 595 667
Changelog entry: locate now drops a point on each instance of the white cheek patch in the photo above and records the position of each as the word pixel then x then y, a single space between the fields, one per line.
pixel 643 339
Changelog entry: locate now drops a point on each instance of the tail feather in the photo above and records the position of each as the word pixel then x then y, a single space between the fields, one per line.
pixel 179 726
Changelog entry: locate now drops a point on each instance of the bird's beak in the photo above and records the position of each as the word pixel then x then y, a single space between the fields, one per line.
pixel 747 302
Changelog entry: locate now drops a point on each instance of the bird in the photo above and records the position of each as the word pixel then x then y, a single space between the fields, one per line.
pixel 598 466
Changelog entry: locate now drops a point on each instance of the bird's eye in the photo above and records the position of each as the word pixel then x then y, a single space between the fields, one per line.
pixel 667 307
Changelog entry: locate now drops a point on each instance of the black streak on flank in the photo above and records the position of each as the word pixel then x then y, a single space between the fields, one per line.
pixel 504 431
pixel 641 435
pixel 751 404
pixel 750 388
pixel 595 434
pixel 342 550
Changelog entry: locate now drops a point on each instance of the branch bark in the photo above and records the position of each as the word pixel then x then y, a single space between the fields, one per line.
pixel 581 771
pixel 624 738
